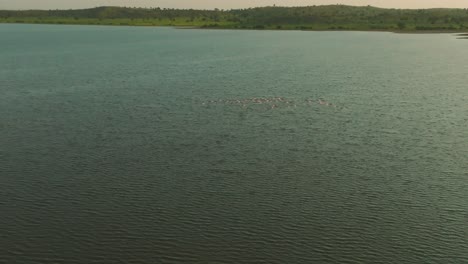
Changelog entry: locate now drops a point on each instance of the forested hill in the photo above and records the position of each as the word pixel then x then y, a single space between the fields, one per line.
pixel 332 17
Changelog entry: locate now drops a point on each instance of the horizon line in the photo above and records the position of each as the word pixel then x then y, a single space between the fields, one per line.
pixel 230 9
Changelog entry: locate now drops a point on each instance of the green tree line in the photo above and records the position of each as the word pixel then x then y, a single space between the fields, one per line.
pixel 331 17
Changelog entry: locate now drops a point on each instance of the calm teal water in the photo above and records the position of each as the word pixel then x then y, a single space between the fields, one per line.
pixel 148 145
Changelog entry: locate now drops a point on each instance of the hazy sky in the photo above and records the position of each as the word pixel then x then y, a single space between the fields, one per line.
pixel 224 4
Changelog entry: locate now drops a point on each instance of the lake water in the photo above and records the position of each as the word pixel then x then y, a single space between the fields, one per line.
pixel 158 145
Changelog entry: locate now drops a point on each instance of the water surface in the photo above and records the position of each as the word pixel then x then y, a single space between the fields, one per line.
pixel 157 145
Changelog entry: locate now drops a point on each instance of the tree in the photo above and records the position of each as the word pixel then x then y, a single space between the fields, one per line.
pixel 401 25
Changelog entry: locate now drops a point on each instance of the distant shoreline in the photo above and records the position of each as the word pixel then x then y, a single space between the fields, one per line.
pixel 309 18
pixel 461 33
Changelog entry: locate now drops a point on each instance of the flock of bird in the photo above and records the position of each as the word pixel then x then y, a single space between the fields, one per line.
pixel 271 102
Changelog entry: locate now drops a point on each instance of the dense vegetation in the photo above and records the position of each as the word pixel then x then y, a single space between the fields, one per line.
pixel 332 17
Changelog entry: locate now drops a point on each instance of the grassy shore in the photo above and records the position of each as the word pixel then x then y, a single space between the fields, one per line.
pixel 333 17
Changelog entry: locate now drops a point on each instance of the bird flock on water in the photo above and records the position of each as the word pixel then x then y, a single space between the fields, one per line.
pixel 270 102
